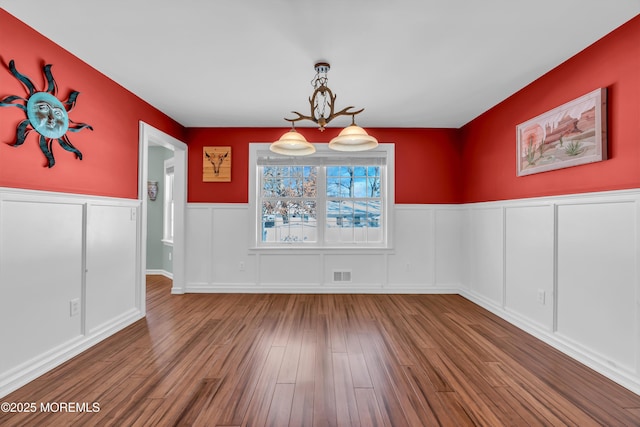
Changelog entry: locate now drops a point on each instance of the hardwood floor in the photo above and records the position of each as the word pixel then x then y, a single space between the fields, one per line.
pixel 322 360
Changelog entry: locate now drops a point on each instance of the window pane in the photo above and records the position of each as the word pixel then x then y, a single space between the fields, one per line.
pixel 373 214
pixel 333 171
pixel 333 214
pixel 171 220
pixel 360 187
pixel 168 209
pixel 289 221
pixel 373 187
pixel 345 187
pixel 310 181
pixel 360 171
pixel 339 213
pixel 288 188
pixel 297 181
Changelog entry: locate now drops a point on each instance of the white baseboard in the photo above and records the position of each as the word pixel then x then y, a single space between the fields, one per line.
pixel 159 272
pixel 315 288
pixel 32 369
pixel 556 341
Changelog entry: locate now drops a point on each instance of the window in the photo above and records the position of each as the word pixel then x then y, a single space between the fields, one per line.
pixel 326 200
pixel 353 204
pixel 168 217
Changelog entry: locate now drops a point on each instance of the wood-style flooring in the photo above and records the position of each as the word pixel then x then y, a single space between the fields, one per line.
pixel 322 360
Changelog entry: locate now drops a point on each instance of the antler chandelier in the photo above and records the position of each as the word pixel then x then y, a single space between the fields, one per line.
pixel 351 138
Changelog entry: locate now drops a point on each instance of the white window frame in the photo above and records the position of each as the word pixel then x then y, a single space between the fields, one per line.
pixel 260 150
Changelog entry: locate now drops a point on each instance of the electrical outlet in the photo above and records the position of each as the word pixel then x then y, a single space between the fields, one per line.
pixel 74 307
pixel 134 214
pixel 241 266
pixel 169 256
pixel 541 295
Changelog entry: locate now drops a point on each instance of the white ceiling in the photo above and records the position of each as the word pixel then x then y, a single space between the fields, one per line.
pixel 410 63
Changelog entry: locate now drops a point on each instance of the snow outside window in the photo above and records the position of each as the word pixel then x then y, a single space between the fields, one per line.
pixel 327 200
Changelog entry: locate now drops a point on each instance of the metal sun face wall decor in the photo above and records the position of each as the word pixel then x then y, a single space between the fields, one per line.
pixel 45 114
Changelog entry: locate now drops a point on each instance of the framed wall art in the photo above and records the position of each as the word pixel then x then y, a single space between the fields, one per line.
pixel 572 134
pixel 216 164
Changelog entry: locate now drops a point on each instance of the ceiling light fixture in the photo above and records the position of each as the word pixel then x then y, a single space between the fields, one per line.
pixel 351 138
pixel 292 143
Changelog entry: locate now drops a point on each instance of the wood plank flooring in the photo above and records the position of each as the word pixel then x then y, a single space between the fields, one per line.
pixel 323 360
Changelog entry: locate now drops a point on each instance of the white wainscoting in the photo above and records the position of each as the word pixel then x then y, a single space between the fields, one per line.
pixel 425 258
pixel 564 269
pixel 55 248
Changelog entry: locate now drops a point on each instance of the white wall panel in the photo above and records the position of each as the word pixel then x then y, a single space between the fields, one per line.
pixel 367 271
pixel 219 258
pixel 231 263
pixel 581 250
pixel 47 241
pixel 448 252
pixel 412 261
pixel 597 280
pixel 486 245
pixel 529 259
pixel 111 263
pixel 199 241
pixel 283 271
pixel 41 271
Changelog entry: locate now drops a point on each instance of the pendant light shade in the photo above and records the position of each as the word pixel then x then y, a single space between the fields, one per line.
pixel 353 138
pixel 292 143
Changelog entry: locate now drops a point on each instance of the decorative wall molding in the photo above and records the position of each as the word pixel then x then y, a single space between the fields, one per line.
pixel 566 243
pixel 564 269
pixel 74 240
pixel 220 257
pixel 478 250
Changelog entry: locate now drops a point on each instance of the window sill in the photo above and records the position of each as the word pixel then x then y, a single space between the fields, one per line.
pixel 321 250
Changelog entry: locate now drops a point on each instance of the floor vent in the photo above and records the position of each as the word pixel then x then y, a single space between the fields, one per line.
pixel 341 276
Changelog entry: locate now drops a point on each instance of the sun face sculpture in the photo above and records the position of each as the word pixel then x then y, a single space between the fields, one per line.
pixel 46 114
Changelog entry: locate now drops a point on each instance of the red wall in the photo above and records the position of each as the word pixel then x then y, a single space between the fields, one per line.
pixel 489 141
pixel 427 162
pixel 110 152
pixel 475 163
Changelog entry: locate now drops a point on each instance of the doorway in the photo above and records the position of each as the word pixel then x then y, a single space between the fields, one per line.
pixel 149 137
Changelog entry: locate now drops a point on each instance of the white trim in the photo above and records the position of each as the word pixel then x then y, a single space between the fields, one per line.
pixel 625 376
pixel 556 341
pixel 318 288
pixel 152 136
pixel 33 368
pixel 159 272
pixel 384 151
pixel 46 361
pixel 22 194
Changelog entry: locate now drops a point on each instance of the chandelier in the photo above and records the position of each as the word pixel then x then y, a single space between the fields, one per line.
pixel 322 103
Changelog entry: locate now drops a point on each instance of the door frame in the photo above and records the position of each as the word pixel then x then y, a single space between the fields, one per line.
pixel 150 136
